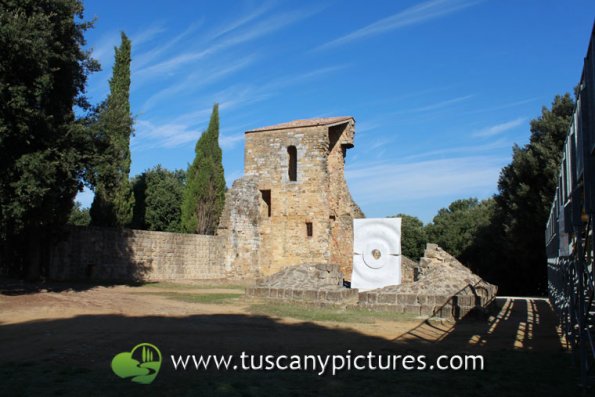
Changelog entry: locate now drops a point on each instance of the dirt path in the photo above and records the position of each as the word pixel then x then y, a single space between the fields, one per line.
pixel 85 328
pixel 520 323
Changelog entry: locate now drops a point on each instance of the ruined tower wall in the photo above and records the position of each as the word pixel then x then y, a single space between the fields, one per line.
pixel 341 205
pixel 239 229
pixel 284 213
pixel 284 239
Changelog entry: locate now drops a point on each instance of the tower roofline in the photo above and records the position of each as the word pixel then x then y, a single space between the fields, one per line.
pixel 315 122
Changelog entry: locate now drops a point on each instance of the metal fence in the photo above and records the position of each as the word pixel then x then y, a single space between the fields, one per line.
pixel 571 228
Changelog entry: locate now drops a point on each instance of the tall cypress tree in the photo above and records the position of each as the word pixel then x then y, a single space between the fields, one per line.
pixel 114 199
pixel 204 195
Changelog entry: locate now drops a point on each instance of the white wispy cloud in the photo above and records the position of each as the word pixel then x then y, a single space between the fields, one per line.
pixel 173 134
pixel 290 80
pixel 437 105
pixel 366 126
pixel 460 150
pixel 410 16
pixel 219 41
pixel 171 64
pixel 186 127
pixel 499 128
pixel 150 135
pixel 144 58
pixel 240 22
pixel 103 48
pixel 377 183
pixel 242 94
pixel 379 143
pixel 146 35
pixel 500 107
pixel 197 79
pixel 230 141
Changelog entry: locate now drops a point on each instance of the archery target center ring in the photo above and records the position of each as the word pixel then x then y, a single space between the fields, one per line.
pixel 376 253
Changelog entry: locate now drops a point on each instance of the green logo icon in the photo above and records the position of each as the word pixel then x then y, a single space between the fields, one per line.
pixel 140 365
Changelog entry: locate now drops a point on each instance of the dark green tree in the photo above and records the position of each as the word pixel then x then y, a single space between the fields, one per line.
pixel 455 227
pixel 79 216
pixel 114 200
pixel 525 191
pixel 204 195
pixel 44 149
pixel 413 236
pixel 158 199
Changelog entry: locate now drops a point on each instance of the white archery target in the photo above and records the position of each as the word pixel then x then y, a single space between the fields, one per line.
pixel 376 253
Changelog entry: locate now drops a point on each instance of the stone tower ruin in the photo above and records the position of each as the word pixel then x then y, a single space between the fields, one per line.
pixel 293 205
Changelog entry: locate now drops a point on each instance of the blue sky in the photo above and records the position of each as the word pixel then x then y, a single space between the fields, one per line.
pixel 440 89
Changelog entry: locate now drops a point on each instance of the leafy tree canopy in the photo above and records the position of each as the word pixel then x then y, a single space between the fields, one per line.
pixel 455 227
pixel 44 149
pixel 158 199
pixel 525 191
pixel 413 236
pixel 79 216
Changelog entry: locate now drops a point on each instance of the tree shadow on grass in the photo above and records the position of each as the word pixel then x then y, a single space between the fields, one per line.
pixel 85 257
pixel 15 287
pixel 519 324
pixel 72 357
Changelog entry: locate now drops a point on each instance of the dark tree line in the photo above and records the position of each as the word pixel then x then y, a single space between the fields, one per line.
pixel 173 201
pixel 158 199
pixel 526 189
pixel 48 153
pixel 502 238
pixel 45 149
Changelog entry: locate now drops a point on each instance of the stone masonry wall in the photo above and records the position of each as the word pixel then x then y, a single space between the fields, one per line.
pixel 262 238
pixel 320 284
pixel 409 270
pixel 341 205
pixel 132 255
pixel 443 287
pixel 293 203
pixel 240 227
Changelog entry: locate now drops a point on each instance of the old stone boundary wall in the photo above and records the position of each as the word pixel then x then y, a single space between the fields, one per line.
pixel 97 253
pixel 443 306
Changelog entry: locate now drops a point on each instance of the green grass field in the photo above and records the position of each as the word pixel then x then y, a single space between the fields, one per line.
pixel 212 298
pixel 191 286
pixel 312 313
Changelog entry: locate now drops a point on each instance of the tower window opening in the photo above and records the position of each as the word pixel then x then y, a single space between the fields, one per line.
pixel 309 231
pixel 266 197
pixel 292 171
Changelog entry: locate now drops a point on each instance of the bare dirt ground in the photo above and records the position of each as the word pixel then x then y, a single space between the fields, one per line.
pixel 59 339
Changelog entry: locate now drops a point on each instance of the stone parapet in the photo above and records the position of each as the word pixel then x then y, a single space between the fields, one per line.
pixel 339 296
pixel 444 306
pixel 440 287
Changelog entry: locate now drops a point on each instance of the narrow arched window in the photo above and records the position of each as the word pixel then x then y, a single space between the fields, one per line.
pixel 292 171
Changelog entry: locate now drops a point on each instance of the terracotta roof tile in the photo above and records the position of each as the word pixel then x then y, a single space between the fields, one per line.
pixel 304 123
